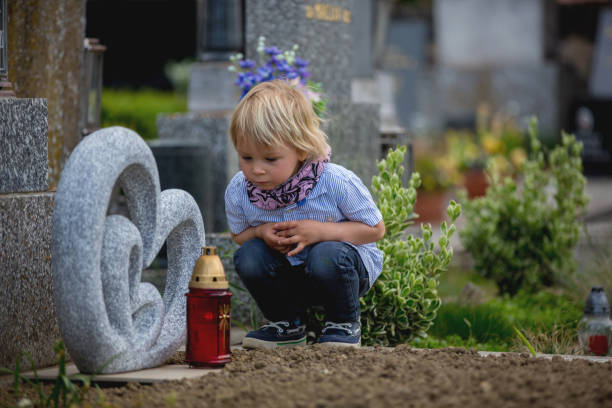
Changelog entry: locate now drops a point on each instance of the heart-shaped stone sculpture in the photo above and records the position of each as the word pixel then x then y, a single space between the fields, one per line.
pixel 111 321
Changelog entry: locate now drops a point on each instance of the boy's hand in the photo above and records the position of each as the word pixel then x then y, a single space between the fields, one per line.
pixel 267 232
pixel 302 233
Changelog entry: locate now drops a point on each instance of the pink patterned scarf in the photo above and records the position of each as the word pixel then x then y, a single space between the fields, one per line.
pixel 291 191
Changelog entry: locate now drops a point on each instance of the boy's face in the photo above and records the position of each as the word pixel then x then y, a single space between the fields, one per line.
pixel 268 166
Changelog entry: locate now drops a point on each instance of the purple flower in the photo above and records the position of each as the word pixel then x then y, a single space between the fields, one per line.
pixel 300 62
pixel 247 63
pixel 292 75
pixel 283 67
pixel 303 73
pixel 272 51
pixel 265 73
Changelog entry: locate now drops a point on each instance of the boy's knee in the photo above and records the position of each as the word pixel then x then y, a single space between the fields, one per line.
pixel 248 258
pixel 328 258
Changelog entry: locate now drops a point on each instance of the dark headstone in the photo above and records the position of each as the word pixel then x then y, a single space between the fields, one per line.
pixel 601 79
pixel 403 58
pixel 591 123
pixel 192 166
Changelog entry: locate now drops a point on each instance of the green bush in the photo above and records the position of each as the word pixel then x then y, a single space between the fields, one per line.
pixel 403 302
pixel 138 109
pixel 519 237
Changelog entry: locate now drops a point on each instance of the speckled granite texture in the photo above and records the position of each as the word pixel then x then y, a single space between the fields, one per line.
pixel 109 319
pixel 23 145
pixel 354 136
pixel 327 45
pixel 45 59
pixel 27 320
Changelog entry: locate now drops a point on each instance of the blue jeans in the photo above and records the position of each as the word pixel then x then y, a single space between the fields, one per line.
pixel 333 276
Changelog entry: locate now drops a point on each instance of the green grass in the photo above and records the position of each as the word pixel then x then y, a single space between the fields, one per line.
pixel 453 282
pixel 138 109
pixel 548 319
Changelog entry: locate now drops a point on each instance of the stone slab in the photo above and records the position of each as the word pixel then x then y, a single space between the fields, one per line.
pixel 211 88
pixel 566 357
pixel 28 319
pixel 23 145
pixel 168 372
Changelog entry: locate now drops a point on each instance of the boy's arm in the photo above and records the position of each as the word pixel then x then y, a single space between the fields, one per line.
pixel 308 232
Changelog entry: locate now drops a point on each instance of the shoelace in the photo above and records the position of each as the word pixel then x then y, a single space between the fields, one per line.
pixel 277 325
pixel 340 326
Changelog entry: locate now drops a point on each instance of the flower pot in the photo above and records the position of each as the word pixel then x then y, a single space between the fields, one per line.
pixel 475 182
pixel 430 205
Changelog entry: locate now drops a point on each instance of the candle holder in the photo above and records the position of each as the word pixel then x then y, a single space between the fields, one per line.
pixel 595 328
pixel 208 312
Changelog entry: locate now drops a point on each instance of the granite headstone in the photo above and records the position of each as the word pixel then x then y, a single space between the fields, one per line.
pixel 23 145
pixel 27 321
pixel 324 32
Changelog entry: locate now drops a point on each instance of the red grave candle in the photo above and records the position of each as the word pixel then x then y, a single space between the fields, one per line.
pixel 208 313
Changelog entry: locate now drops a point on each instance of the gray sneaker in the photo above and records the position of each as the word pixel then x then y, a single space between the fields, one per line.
pixel 341 334
pixel 276 334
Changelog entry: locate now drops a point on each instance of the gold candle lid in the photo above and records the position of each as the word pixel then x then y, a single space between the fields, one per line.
pixel 208 272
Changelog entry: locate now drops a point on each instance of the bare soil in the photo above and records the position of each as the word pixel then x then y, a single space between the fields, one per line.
pixel 316 376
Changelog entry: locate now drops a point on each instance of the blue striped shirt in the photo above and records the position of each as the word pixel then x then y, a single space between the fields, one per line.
pixel 338 196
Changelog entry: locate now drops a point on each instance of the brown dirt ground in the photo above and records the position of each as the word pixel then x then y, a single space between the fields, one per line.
pixel 316 376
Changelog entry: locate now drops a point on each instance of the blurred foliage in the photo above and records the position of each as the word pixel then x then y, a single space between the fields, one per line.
pixel 523 237
pixel 179 72
pixel 138 109
pixel 497 139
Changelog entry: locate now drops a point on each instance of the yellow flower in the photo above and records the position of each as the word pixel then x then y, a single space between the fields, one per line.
pixel 491 144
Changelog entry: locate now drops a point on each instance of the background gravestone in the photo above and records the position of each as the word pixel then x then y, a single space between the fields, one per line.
pixel 28 319
pixel 601 77
pixel 324 31
pixel 589 118
pixel 478 61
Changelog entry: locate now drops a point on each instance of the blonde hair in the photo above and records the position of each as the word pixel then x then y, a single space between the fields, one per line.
pixel 274 113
